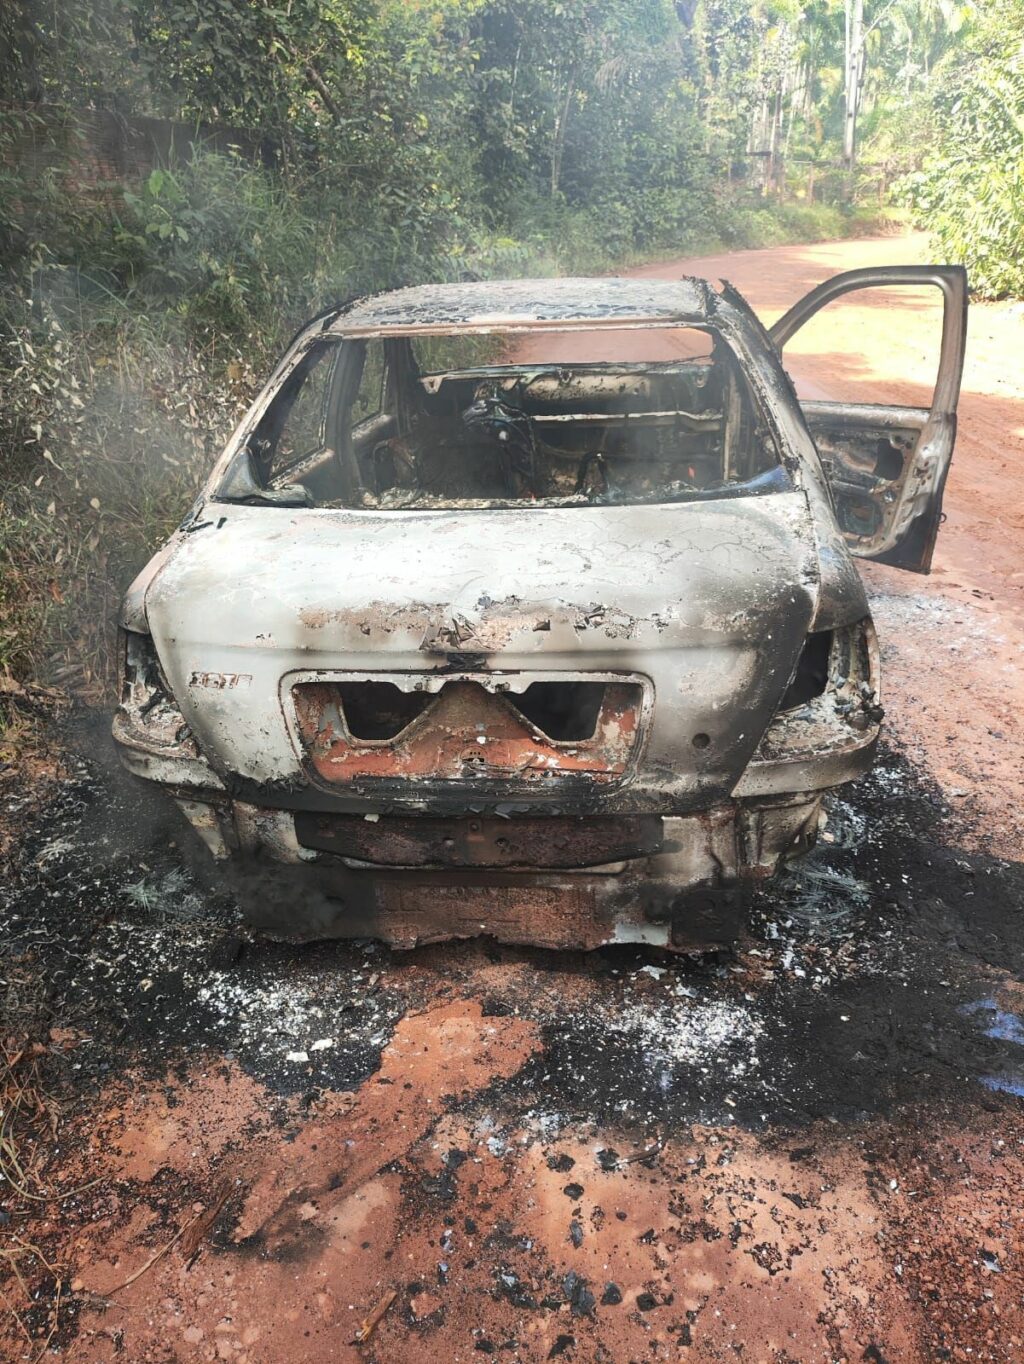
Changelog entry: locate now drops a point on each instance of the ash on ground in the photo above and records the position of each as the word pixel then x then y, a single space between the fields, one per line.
pixel 861 956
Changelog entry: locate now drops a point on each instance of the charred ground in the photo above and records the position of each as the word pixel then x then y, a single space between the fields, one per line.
pixel 872 955
pixel 872 1000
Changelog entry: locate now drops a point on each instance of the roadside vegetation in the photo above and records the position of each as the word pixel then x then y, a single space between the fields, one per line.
pixel 325 148
pixel 969 189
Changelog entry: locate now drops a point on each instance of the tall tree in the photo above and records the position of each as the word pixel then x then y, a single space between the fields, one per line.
pixel 853 78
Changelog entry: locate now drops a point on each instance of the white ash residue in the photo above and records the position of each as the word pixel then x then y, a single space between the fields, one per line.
pixel 290 1015
pixel 170 894
pixel 717 1034
pixel 951 625
pixel 176 968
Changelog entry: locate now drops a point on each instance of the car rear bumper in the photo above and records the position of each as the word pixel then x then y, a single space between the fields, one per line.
pixel 616 869
pixel 675 882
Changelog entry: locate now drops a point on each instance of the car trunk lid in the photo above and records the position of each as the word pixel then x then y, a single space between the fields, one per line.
pixel 686 618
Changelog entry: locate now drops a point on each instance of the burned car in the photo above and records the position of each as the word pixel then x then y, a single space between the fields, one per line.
pixel 477 627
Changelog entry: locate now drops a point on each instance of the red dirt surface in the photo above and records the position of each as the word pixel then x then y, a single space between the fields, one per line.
pixel 795 1165
pixel 727 1247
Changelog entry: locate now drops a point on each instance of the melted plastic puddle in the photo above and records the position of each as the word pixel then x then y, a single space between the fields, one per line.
pixel 1003 1026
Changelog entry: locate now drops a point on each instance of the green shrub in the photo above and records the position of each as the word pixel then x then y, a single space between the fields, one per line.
pixel 811 222
pixel 970 191
pixel 218 243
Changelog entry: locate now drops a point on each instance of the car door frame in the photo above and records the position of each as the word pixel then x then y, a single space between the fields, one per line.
pixel 912 513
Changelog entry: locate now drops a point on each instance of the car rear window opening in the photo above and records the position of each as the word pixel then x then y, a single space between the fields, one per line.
pixel 493 421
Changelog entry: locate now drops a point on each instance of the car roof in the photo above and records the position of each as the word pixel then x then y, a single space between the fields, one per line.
pixel 522 304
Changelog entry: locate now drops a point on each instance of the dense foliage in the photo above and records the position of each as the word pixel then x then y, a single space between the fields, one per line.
pixel 970 191
pixel 382 142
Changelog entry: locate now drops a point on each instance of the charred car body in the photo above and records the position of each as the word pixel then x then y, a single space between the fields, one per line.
pixel 475 637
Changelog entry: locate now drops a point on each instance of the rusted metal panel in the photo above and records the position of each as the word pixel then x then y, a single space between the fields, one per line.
pixel 471 736
pixel 408 914
pixel 681 888
pixel 554 841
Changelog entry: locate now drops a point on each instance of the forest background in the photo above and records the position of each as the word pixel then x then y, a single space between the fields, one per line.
pixel 287 154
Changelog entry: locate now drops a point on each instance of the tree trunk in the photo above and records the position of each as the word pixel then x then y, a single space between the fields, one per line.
pixel 561 122
pixel 853 76
pixel 758 145
pixel 315 80
pixel 773 144
pixel 796 95
pixel 512 88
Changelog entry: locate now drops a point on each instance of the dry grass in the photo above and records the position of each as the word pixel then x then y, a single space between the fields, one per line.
pixel 29 1122
pixel 111 431
pixel 30 759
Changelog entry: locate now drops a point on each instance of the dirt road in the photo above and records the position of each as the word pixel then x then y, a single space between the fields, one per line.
pixel 813 1151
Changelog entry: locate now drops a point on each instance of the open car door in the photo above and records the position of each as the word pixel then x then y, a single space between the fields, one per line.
pixel 887 465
